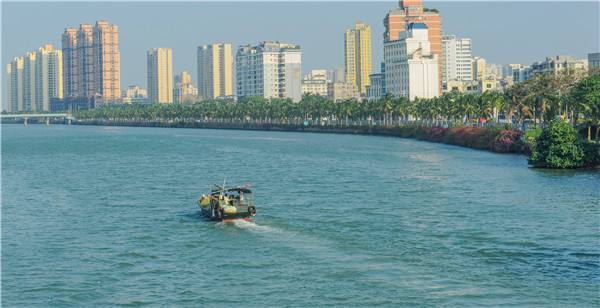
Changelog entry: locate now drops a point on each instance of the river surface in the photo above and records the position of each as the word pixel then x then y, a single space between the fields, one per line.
pixel 106 216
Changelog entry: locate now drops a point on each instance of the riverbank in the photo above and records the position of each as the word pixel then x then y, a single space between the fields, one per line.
pixel 488 138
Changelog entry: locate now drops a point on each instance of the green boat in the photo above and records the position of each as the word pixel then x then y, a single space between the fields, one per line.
pixel 228 204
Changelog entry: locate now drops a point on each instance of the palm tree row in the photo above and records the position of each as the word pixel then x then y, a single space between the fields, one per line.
pixel 538 100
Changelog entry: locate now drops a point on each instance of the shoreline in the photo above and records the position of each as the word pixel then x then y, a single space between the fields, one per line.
pixel 421 133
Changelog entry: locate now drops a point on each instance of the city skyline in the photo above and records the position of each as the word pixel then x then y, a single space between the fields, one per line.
pixel 22 39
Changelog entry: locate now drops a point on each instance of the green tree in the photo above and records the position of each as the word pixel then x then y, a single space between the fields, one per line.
pixel 585 97
pixel 557 147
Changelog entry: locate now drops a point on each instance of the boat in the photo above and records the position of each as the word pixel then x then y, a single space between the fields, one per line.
pixel 228 204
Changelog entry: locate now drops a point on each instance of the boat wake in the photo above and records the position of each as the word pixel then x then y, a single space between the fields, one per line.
pixel 247 225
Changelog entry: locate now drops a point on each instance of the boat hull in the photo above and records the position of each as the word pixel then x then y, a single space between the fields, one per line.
pixel 242 213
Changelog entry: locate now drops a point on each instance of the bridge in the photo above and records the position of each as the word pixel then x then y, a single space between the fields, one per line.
pixel 46 116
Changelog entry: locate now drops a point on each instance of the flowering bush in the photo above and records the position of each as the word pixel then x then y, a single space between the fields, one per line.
pixel 508 141
pixel 483 138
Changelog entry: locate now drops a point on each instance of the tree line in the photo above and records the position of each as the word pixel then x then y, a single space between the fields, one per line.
pixel 571 95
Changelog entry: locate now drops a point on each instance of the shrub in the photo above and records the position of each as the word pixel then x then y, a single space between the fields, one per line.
pixel 557 147
pixel 591 153
pixel 532 134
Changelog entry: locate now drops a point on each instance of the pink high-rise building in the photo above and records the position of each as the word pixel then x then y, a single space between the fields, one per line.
pixel 92 61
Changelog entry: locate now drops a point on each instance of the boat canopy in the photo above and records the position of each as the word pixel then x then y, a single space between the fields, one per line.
pixel 234 189
pixel 240 189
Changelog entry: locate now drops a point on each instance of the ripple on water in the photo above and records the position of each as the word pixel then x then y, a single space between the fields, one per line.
pixel 342 221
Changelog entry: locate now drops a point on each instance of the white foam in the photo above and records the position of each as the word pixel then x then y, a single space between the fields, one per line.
pixel 246 225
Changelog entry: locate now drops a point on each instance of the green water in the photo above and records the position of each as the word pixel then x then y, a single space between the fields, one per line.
pixel 106 216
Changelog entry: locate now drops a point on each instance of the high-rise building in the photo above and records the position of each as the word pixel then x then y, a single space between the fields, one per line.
pixel 456 64
pixel 29 82
pixel 15 84
pixel 70 63
pixel 184 91
pixel 478 68
pixel 160 75
pixel 9 89
pixel 92 62
pixel 413 11
pixel 107 60
pixel 357 55
pixel 270 70
pixel 215 71
pixel 48 77
pixel 411 67
pixel 84 53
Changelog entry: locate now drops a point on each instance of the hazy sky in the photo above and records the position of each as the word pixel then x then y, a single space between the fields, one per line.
pixel 502 32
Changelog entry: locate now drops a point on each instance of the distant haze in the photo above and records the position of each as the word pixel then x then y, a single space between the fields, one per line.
pixel 502 32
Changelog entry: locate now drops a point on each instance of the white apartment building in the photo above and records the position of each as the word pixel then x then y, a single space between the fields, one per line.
pixel 270 70
pixel 457 58
pixel 34 80
pixel 48 77
pixel 411 69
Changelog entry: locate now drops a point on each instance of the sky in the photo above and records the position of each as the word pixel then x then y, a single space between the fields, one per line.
pixel 501 32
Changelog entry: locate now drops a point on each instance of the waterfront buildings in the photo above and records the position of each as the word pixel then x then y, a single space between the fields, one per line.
pixel 34 80
pixel 92 62
pixel 215 71
pixel 357 55
pixel 558 63
pixel 184 91
pixel 269 69
pixel 594 61
pixel 411 68
pixel 160 75
pixel 412 11
pixel 316 82
pixel 550 65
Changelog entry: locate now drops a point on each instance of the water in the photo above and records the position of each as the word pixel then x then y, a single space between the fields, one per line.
pixel 106 216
